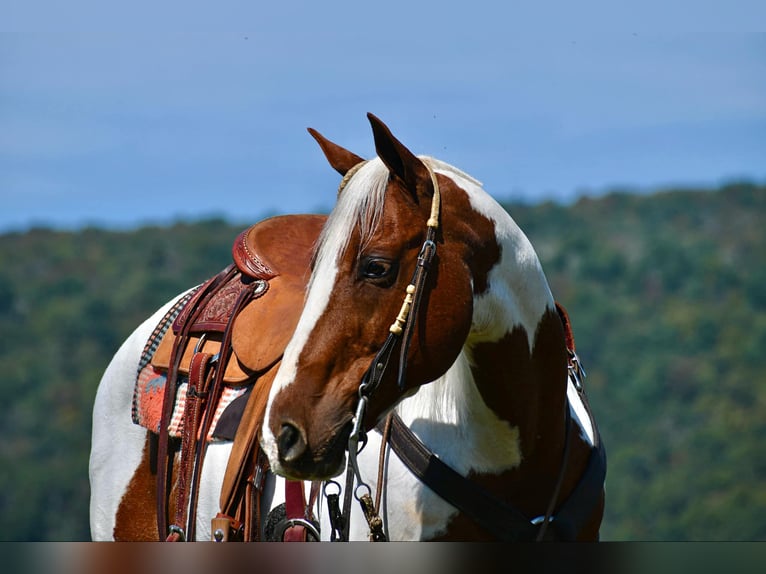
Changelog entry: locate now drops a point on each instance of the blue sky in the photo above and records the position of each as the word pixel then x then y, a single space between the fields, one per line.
pixel 119 114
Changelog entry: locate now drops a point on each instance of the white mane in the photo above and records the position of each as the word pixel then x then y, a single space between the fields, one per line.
pixel 360 202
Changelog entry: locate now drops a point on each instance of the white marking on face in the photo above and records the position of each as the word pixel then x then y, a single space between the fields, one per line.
pixel 318 297
pixel 360 203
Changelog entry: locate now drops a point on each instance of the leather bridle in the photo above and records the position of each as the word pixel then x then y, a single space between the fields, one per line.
pixel 400 331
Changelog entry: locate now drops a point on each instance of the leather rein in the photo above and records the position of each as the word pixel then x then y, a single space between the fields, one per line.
pixel 500 519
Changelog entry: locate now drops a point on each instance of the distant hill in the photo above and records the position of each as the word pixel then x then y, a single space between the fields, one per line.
pixel 666 293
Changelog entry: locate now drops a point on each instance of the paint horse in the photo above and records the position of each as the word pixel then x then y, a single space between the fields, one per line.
pixel 466 418
pixel 491 433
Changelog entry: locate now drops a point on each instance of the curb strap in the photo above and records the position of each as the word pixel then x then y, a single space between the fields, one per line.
pixel 295 511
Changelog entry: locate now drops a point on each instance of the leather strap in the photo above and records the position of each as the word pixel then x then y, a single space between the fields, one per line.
pixel 196 394
pixel 245 471
pixel 425 257
pixel 495 516
pixel 209 413
pixel 295 507
pixel 164 455
pixel 502 520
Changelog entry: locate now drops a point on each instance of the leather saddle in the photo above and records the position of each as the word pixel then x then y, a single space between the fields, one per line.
pixel 271 257
pixel 231 332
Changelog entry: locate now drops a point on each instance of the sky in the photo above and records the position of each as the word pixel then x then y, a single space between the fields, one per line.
pixel 123 114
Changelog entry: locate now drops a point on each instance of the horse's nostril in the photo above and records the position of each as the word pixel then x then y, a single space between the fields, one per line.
pixel 291 442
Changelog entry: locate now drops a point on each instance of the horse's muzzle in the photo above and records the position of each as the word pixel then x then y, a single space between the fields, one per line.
pixel 298 461
pixel 291 443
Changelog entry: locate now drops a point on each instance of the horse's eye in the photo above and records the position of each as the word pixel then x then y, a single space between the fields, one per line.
pixel 378 270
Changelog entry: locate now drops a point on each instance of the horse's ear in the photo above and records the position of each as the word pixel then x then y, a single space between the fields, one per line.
pixel 340 158
pixel 400 161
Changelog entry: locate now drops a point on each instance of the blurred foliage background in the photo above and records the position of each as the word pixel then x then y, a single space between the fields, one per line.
pixel 667 294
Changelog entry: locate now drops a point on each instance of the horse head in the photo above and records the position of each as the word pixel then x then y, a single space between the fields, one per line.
pixel 388 213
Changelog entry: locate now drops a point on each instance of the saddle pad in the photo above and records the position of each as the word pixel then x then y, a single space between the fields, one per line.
pixel 147 403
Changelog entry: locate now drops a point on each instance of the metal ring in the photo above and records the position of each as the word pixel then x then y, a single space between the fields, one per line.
pixel 362 485
pixel 329 483
pixel 282 527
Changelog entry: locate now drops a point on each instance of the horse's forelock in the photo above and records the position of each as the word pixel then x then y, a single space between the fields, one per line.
pixel 360 203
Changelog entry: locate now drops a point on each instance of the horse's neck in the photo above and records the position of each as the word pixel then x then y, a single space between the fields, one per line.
pixel 451 418
pixel 509 382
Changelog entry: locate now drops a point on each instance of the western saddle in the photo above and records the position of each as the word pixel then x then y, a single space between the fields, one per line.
pixel 233 331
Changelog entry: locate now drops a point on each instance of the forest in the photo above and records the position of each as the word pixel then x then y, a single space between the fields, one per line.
pixel 666 295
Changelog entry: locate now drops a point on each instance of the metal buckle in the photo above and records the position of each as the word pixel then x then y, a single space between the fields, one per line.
pixel 576 371
pixel 200 343
pixel 282 527
pixel 178 530
pixel 428 248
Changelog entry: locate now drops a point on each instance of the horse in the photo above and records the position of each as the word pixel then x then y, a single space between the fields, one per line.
pixel 466 418
pixel 487 384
